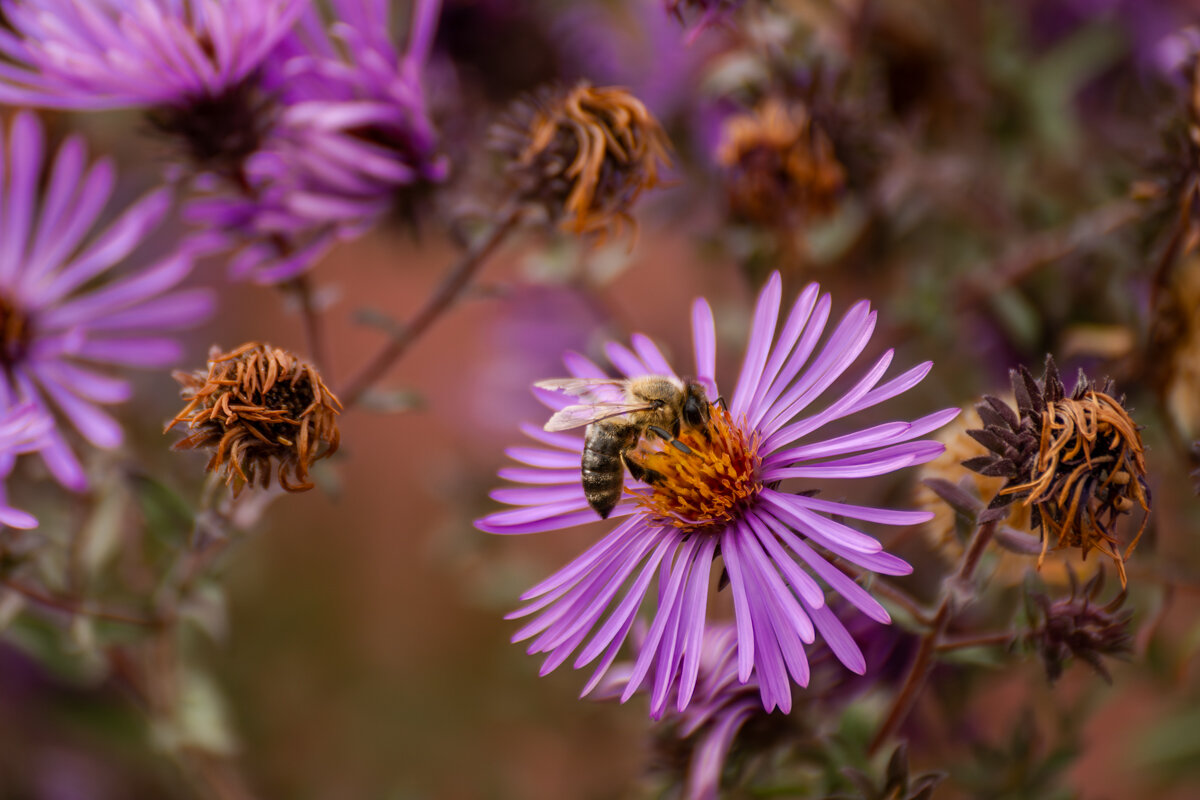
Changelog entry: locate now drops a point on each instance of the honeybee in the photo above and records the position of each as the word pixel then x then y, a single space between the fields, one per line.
pixel 652 405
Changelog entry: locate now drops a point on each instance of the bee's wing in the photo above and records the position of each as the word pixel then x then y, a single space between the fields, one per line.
pixel 591 390
pixel 577 416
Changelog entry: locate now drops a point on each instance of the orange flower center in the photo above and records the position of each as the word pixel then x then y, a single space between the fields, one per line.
pixel 708 481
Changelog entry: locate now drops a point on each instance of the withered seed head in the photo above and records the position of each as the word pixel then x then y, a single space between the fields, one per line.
pixel 585 154
pixel 1076 626
pixel 1077 460
pixel 257 407
pixel 780 165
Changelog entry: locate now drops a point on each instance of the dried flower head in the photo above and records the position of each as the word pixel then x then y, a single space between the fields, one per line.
pixel 1076 626
pixel 1076 460
pixel 957 499
pixel 780 164
pixel 585 154
pixel 255 407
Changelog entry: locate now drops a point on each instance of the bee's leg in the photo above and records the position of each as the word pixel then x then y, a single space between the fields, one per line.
pixel 671 440
pixel 640 472
pixel 721 402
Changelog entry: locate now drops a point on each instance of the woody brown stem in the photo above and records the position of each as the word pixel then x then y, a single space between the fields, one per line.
pixel 1044 248
pixel 922 665
pixel 76 607
pixel 451 287
pixel 314 329
pixel 951 643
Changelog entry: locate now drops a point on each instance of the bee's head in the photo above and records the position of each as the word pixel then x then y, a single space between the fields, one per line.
pixel 695 405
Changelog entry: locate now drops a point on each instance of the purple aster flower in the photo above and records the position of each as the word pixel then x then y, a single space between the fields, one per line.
pixel 64 309
pixel 716 491
pixel 352 136
pixel 721 705
pixel 93 54
pixel 23 429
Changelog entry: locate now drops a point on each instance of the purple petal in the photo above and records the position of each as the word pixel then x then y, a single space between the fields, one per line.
pixel 540 476
pixel 695 611
pixel 796 360
pixel 845 344
pixel 708 759
pixel 837 580
pixel 624 360
pixel 792 328
pixel 566 441
pixel 762 332
pixel 741 608
pixel 704 339
pixel 651 356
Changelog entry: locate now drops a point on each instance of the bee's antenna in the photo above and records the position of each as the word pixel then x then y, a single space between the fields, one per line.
pixel 666 436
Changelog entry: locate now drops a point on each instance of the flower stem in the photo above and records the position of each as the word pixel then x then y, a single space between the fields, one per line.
pixel 922 665
pixel 314 329
pixel 949 644
pixel 69 606
pixel 451 287
pixel 1045 248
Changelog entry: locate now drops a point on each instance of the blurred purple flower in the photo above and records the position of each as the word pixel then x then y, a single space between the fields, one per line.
pixel 643 53
pixel 23 429
pixel 708 13
pixel 62 311
pixel 720 707
pixel 351 136
pixel 92 54
pixel 779 607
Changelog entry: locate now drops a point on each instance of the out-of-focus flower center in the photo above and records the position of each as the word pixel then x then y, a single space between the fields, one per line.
pixel 709 480
pixel 779 162
pixel 218 131
pixel 15 334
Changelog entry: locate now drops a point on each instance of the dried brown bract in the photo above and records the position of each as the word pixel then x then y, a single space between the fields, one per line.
pixel 1077 626
pixel 780 165
pixel 585 154
pixel 260 410
pixel 1077 460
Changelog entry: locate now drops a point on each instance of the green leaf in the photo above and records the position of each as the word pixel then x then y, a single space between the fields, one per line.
pixel 200 718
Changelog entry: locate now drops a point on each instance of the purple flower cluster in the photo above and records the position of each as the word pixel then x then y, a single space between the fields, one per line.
pixel 67 312
pixel 779 549
pixel 721 706
pixel 298 129
pixel 93 54
pixel 23 429
pixel 350 136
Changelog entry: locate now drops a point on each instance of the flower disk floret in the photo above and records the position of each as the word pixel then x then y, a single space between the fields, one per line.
pixel 778 549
